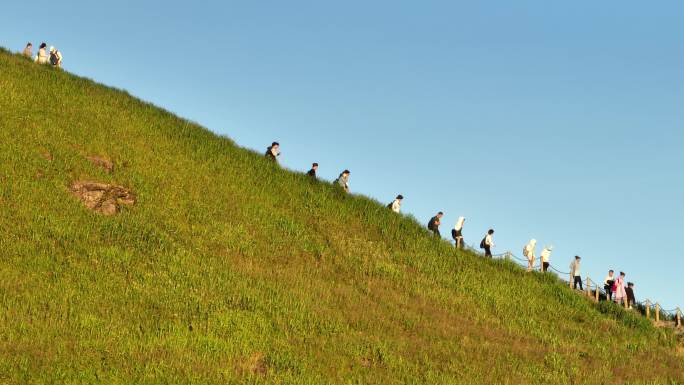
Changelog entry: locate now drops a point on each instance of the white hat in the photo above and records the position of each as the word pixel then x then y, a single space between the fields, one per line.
pixel 52 49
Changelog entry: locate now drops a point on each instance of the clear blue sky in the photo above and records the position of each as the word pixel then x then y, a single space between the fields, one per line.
pixel 560 121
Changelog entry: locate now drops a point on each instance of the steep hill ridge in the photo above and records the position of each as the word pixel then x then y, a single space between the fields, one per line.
pixel 227 269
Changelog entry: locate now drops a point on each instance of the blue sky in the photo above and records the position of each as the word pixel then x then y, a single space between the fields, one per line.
pixel 560 121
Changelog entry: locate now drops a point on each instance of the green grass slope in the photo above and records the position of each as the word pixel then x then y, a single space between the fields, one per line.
pixel 230 270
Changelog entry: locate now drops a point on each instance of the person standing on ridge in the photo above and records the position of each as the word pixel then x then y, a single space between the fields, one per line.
pixel 55 57
pixel 608 285
pixel 619 286
pixel 273 151
pixel 434 223
pixel 528 251
pixel 396 204
pixel 487 243
pixel 42 56
pixel 575 272
pixel 457 233
pixel 545 257
pixel 631 300
pixel 312 172
pixel 28 51
pixel 343 180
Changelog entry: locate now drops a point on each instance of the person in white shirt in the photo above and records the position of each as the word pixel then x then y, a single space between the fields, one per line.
pixel 42 56
pixel 55 58
pixel 488 243
pixel 273 151
pixel 396 204
pixel 545 257
pixel 528 252
pixel 457 233
pixel 575 272
pixel 608 285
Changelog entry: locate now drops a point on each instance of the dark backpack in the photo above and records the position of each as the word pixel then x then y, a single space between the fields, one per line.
pixel 454 234
pixel 389 206
pixel 483 244
pixel 54 60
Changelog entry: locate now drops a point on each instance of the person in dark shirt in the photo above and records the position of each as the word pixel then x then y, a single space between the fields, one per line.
pixel 312 172
pixel 434 223
pixel 273 151
pixel 630 294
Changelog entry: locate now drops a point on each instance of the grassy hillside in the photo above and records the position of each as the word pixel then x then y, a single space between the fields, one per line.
pixel 230 270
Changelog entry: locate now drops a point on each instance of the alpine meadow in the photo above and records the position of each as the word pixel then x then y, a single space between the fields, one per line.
pixel 219 267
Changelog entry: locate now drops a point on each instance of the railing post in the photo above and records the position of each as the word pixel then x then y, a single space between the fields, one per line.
pixel 626 302
pixel 679 318
pixel 570 280
pixel 657 312
pixel 588 287
pixel 648 309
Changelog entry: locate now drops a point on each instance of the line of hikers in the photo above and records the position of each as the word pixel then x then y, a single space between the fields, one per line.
pixel 44 56
pixel 614 287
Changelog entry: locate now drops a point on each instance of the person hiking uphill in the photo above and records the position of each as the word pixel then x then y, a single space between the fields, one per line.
pixel 312 172
pixel 273 151
pixel 434 223
pixel 631 300
pixel 575 272
pixel 608 285
pixel 528 251
pixel 545 257
pixel 396 204
pixel 42 56
pixel 487 243
pixel 28 51
pixel 457 233
pixel 55 58
pixel 343 180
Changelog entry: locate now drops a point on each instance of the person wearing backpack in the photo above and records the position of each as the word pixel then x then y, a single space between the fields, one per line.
pixel 396 204
pixel 42 56
pixel 55 58
pixel 528 251
pixel 608 283
pixel 434 223
pixel 343 180
pixel 545 257
pixel 575 272
pixel 273 151
pixel 457 233
pixel 487 243
pixel 312 172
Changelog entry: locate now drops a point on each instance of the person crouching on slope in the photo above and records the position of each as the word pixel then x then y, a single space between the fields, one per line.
pixel 396 204
pixel 312 172
pixel 343 180
pixel 608 285
pixel 545 257
pixel 575 272
pixel 457 233
pixel 528 251
pixel 487 243
pixel 273 151
pixel 434 223
pixel 55 58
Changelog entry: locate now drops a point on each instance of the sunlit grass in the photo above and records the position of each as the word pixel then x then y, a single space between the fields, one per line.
pixel 231 270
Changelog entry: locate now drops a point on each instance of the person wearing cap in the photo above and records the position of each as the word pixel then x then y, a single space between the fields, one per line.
pixel 457 233
pixel 42 56
pixel 28 50
pixel 343 180
pixel 528 251
pixel 55 57
pixel 273 151
pixel 312 172
pixel 434 223
pixel 545 258
pixel 396 204
pixel 575 272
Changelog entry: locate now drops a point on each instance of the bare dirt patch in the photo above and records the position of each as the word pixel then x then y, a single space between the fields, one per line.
pixel 102 198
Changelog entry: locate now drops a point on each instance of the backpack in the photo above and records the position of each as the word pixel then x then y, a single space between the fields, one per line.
pixel 453 234
pixel 483 243
pixel 54 60
pixel 525 251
